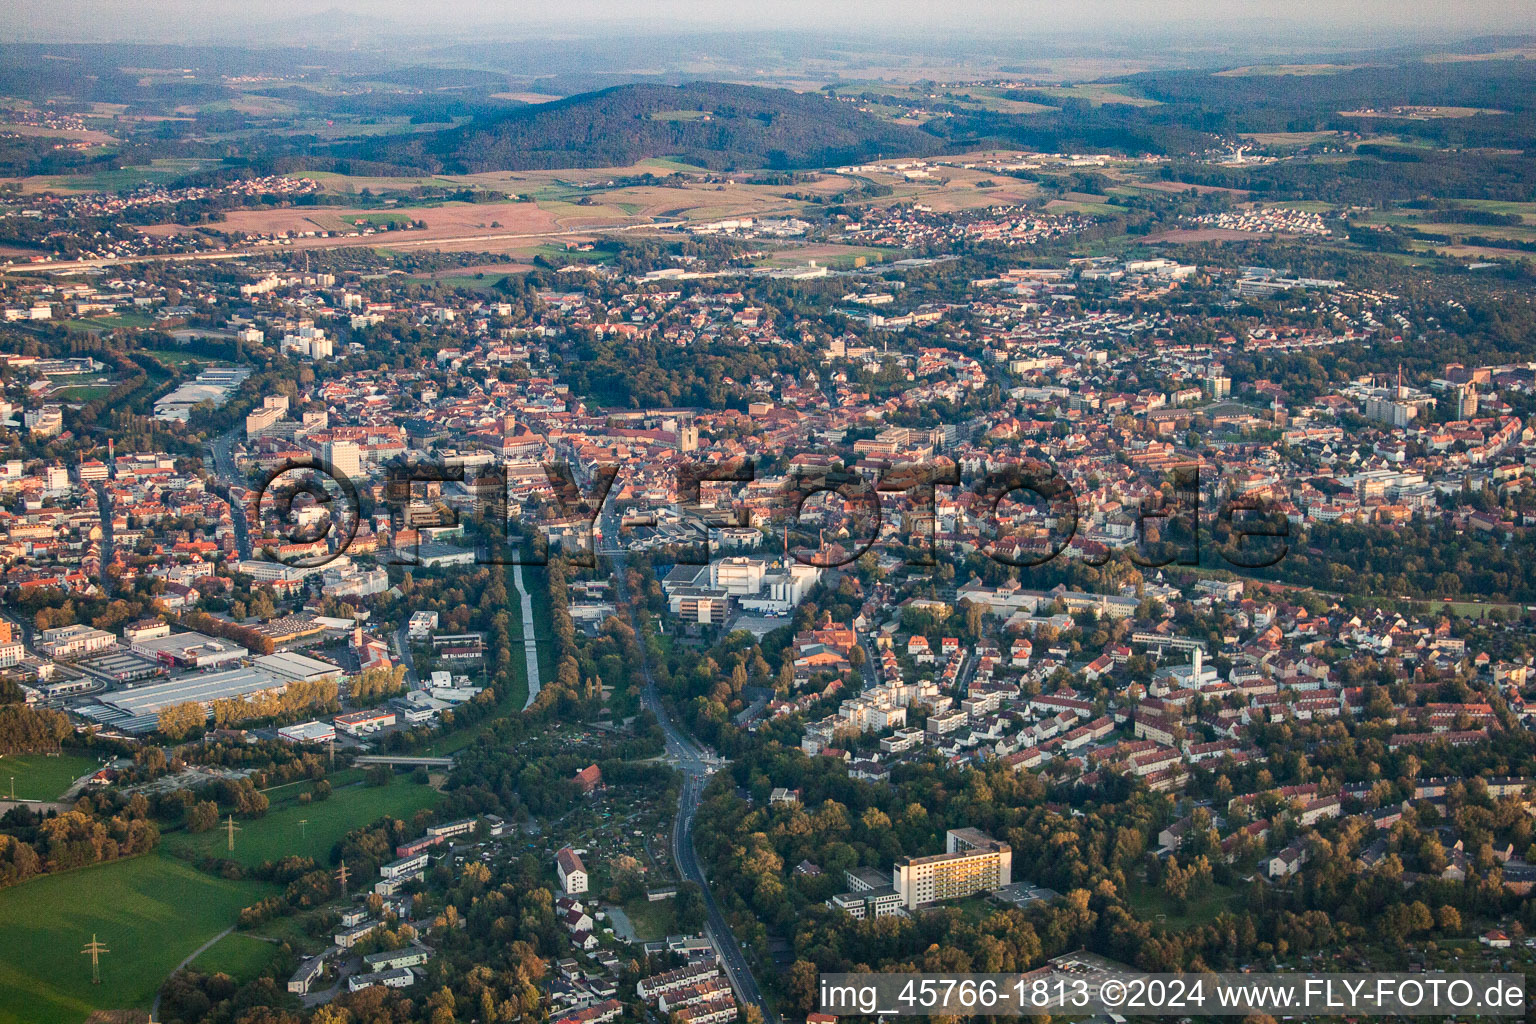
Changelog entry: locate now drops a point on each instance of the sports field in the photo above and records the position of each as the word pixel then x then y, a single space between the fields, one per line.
pixel 41 776
pixel 281 833
pixel 149 911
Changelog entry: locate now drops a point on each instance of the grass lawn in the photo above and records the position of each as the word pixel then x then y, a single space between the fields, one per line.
pixel 149 911
pixel 124 320
pixel 1472 609
pixel 543 625
pixel 84 392
pixel 976 909
pixel 483 283
pixel 41 777
pixel 1153 905
pixel 560 252
pixel 286 793
pixel 652 921
pixel 176 357
pixel 290 929
pixel 279 833
pixel 238 955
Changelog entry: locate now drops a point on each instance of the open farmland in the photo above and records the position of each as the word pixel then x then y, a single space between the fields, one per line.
pixel 149 911
pixel 449 220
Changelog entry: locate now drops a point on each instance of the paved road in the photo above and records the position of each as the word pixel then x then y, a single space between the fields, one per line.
pixel 696 764
pixel 104 507
pixel 407 658
pixel 224 469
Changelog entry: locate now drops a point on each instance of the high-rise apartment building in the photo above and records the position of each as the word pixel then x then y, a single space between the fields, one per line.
pixel 972 862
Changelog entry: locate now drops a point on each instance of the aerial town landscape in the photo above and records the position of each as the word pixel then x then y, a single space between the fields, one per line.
pixel 607 530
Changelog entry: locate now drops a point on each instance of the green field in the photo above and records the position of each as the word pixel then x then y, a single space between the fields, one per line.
pixel 150 911
pixel 279 833
pixel 238 955
pixel 652 921
pixel 543 625
pixel 41 777
pixel 1095 94
pixel 1470 609
pixel 156 172
pixel 381 220
pixel 483 283
pixel 560 252
pixel 1153 905
pixel 123 320
pixel 176 357
pixel 84 392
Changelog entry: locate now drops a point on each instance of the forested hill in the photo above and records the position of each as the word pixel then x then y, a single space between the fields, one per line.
pixel 711 124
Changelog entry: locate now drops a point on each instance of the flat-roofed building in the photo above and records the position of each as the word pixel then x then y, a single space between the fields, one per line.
pixel 358 723
pixel 12 653
pixel 308 732
pixel 193 650
pixel 309 972
pixel 396 874
pixel 398 977
pixel 145 629
pixel 74 641
pixel 298 667
pixel 449 829
pixel 972 862
pixel 395 959
pixel 204 688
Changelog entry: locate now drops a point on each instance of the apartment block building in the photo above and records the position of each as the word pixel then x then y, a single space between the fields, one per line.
pixel 972 862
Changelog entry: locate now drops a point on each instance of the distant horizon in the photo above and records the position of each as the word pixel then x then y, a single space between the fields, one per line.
pixel 975 25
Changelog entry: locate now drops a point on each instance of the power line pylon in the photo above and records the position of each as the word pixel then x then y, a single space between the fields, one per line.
pixel 342 874
pixel 94 949
pixel 231 828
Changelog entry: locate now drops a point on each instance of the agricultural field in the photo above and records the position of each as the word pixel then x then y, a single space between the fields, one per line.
pixel 1283 139
pixel 1096 94
pixel 40 776
pixel 988 99
pixel 1412 113
pixel 153 173
pixel 1263 70
pixel 151 912
pixel 307 830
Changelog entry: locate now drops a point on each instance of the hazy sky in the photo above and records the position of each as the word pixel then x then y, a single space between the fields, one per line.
pixel 1351 23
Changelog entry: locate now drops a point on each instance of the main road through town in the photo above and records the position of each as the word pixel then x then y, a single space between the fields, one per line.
pixel 697 765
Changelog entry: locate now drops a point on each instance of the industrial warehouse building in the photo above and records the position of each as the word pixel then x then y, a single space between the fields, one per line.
pixel 307 732
pixel 298 667
pixel 137 710
pixel 190 650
